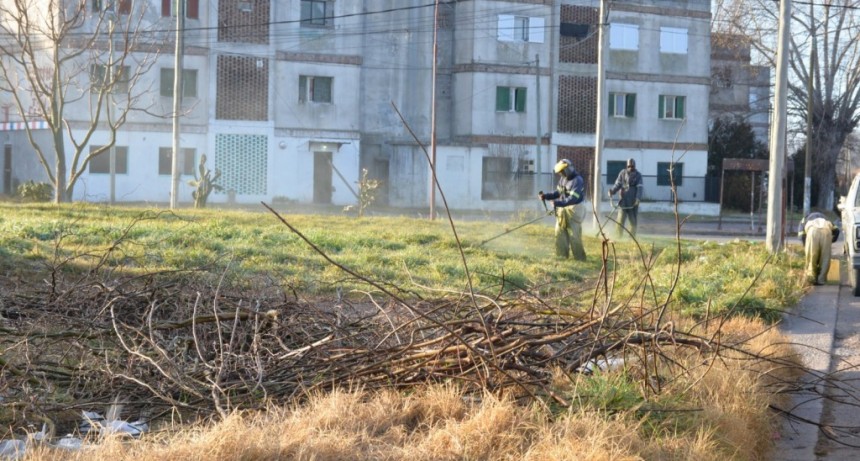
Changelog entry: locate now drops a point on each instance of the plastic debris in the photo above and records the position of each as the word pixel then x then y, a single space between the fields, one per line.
pixel 134 429
pixel 94 422
pixel 12 449
pixel 70 442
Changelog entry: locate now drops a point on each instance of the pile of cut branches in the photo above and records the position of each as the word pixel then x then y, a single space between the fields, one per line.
pixel 170 343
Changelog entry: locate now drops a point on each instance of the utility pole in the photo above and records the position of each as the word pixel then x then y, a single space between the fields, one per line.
pixel 433 115
pixel 177 104
pixel 777 136
pixel 601 109
pixel 112 82
pixel 807 165
pixel 538 136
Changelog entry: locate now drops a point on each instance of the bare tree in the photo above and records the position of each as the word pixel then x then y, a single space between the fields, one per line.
pixel 74 65
pixel 831 28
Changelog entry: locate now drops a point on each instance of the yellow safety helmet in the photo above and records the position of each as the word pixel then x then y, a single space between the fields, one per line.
pixel 561 165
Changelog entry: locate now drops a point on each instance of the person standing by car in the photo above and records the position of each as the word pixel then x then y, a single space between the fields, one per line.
pixel 629 183
pixel 817 234
pixel 568 216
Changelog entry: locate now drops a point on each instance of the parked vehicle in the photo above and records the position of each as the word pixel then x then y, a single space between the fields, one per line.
pixel 849 206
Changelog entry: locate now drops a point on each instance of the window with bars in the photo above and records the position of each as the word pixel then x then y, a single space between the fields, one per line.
pixel 117 6
pixel 496 176
pixel 101 79
pixel 671 107
pixel 622 105
pixel 670 173
pixel 100 164
pixel 192 8
pixel 186 161
pixel 189 82
pixel 316 13
pixel 510 99
pixel 315 89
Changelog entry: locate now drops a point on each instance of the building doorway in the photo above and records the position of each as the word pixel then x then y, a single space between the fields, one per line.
pixel 380 173
pixel 322 177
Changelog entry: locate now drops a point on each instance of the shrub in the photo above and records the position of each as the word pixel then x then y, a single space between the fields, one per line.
pixel 32 191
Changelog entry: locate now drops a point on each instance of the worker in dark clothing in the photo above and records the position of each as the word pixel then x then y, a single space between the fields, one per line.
pixel 568 216
pixel 629 183
pixel 817 234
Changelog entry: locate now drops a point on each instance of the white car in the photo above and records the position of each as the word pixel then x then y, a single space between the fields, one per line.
pixel 849 206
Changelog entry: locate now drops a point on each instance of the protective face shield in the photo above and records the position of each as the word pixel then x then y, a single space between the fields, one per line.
pixel 564 167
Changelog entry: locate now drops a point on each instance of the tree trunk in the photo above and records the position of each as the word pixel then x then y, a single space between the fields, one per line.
pixel 828 142
pixel 61 193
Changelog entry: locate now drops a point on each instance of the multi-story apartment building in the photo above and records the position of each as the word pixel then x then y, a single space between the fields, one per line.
pixel 657 85
pixel 293 98
pixel 739 89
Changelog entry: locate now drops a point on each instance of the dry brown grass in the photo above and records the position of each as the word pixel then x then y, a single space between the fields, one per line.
pixel 731 421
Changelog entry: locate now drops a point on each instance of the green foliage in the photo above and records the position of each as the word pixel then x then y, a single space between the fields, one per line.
pixel 734 138
pixel 32 191
pixel 204 183
pixel 608 391
pixel 414 254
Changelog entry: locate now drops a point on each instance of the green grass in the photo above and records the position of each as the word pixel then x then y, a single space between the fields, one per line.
pixel 416 255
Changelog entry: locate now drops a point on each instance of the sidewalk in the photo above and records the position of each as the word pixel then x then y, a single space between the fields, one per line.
pixel 815 328
pixel 811 327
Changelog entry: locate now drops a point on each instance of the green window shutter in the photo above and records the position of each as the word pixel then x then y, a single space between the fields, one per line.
pixel 167 82
pixel 663 177
pixel 520 103
pixel 663 174
pixel 611 104
pixel 189 83
pixel 679 107
pixel 613 167
pixel 503 98
pixel 631 105
pixel 661 107
pixel 303 88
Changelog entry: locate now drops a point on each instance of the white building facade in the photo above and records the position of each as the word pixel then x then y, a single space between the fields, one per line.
pixel 293 99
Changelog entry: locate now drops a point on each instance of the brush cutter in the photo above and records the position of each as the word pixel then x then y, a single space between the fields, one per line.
pixel 548 213
pixel 608 216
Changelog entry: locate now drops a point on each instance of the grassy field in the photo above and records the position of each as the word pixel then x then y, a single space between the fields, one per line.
pixel 665 402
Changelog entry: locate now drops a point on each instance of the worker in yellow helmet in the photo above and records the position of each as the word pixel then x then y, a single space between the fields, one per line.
pixel 568 216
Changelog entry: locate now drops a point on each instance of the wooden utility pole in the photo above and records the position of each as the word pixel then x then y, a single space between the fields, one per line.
pixel 177 104
pixel 603 23
pixel 777 135
pixel 807 167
